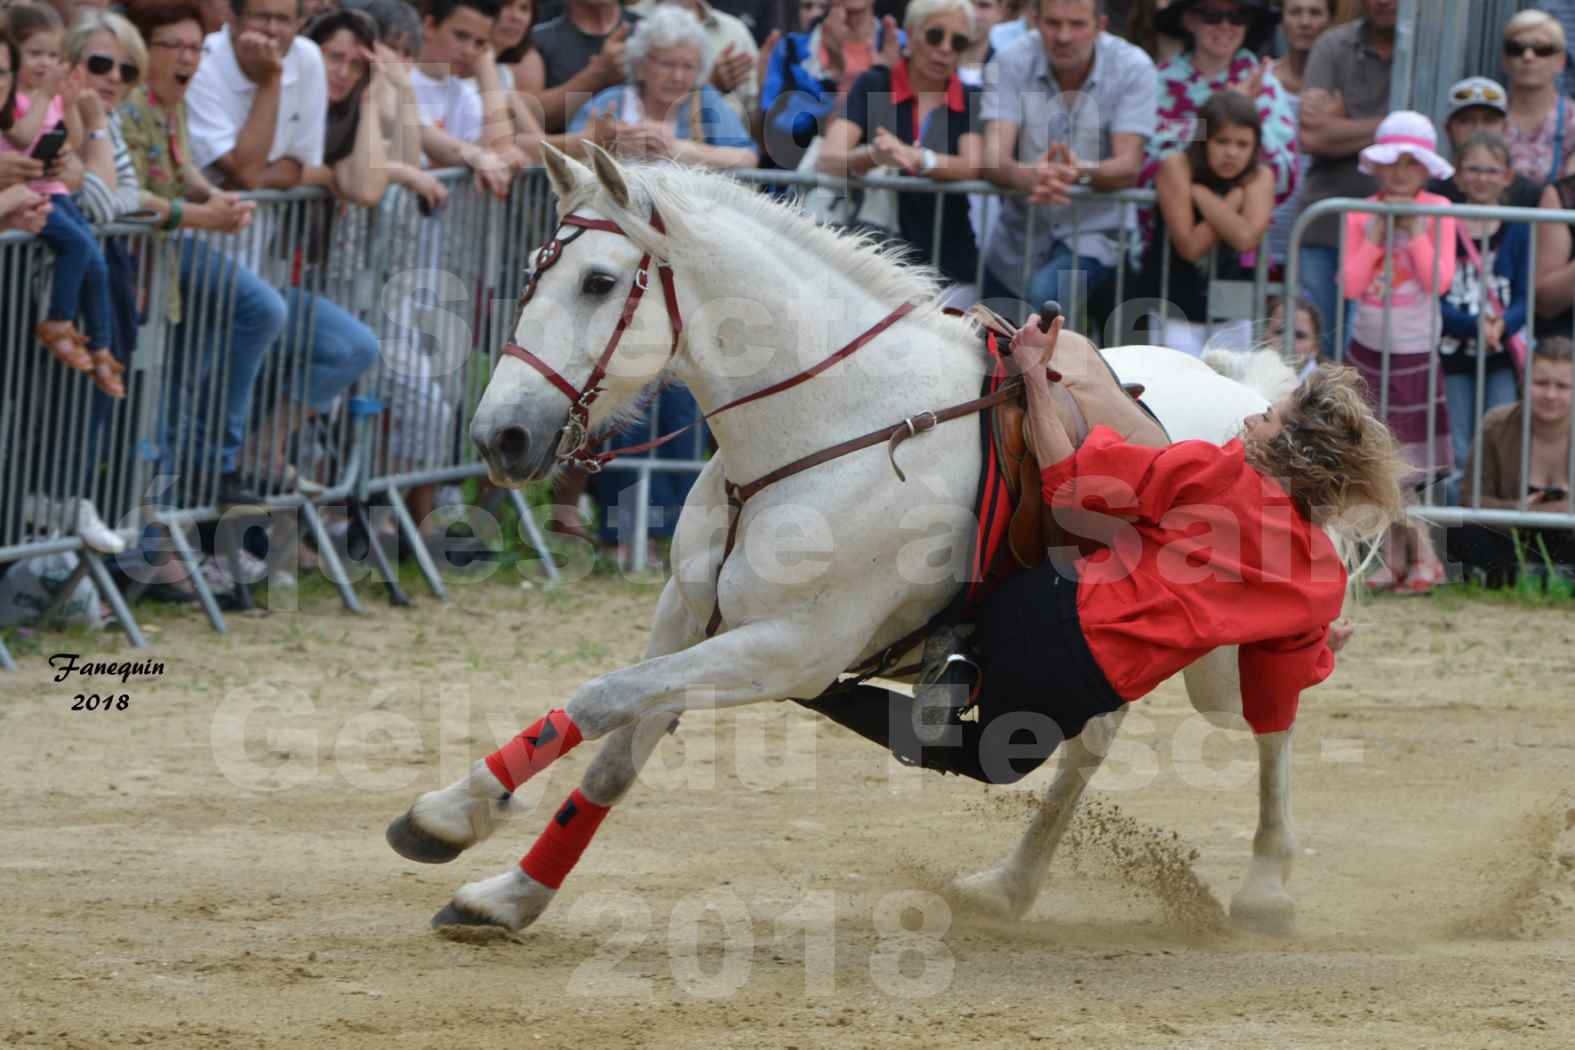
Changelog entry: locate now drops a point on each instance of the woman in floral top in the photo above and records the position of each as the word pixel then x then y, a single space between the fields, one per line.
pixel 153 123
pixel 1541 126
pixel 1216 59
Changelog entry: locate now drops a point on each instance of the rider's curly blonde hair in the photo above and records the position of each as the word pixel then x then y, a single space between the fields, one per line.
pixel 1335 456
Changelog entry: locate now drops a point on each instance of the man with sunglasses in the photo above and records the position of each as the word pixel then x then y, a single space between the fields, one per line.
pixel 1479 106
pixel 1344 98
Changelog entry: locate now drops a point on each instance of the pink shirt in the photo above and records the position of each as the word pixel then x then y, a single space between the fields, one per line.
pixel 52 116
pixel 1424 267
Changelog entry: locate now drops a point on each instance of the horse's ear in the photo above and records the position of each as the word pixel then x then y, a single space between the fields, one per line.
pixel 609 174
pixel 566 173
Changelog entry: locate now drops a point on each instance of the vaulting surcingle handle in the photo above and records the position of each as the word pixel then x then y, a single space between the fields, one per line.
pixel 1049 310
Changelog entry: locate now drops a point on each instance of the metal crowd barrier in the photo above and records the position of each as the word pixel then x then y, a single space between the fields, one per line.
pixel 1430 509
pixel 438 292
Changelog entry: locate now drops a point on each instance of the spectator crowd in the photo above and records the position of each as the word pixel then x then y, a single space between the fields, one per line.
pixel 1238 114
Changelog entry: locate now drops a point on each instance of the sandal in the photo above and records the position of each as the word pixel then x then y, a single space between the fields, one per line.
pixel 60 338
pixel 107 372
pixel 1422 578
pixel 1380 580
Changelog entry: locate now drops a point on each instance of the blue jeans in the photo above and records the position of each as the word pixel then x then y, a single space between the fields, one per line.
pixel 1460 393
pixel 81 275
pixel 1059 278
pixel 209 281
pixel 338 347
pixel 1318 278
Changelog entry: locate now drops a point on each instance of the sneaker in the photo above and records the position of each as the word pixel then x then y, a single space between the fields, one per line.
pixel 94 532
pixel 234 493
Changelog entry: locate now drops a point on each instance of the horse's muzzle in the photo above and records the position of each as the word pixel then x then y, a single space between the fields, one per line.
pixel 508 451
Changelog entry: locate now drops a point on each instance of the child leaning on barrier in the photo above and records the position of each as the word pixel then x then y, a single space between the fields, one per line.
pixel 39 99
pixel 1396 270
pixel 1215 199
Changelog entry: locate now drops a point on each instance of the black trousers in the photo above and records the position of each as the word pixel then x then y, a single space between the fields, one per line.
pixel 1040 686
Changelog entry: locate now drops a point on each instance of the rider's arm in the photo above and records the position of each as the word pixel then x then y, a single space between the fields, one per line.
pixel 1274 673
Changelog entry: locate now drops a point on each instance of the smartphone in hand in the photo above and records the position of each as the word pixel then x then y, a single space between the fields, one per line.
pixel 48 146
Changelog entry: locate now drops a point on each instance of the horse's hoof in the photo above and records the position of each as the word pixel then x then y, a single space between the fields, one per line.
pixel 510 901
pixel 993 892
pixel 410 842
pixel 1271 914
pixel 443 824
pixel 455 914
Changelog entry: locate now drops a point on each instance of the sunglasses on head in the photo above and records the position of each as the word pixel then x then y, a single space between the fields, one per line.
pixel 1518 49
pixel 1213 16
pixel 99 65
pixel 935 36
pixel 1478 93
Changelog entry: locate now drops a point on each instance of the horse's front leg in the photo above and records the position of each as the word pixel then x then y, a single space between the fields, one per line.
pixel 632 709
pixel 518 897
pixel 1010 887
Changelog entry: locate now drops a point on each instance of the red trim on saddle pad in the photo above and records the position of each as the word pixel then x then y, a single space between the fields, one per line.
pixel 994 511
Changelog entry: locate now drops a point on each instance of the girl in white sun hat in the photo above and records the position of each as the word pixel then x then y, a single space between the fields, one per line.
pixel 1420 254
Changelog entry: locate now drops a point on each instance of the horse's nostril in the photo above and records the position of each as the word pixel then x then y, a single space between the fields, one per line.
pixel 512 443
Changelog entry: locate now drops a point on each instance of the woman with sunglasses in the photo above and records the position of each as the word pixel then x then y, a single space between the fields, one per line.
pixel 107 57
pixel 1217 59
pixel 1541 128
pixel 917 116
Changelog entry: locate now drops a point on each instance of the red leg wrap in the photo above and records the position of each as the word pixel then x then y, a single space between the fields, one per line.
pixel 538 747
pixel 558 849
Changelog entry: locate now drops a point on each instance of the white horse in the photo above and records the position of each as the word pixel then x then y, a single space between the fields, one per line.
pixel 831 565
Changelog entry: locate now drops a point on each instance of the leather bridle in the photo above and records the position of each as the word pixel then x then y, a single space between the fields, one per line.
pixel 574 438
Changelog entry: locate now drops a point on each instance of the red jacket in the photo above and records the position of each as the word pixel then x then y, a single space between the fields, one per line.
pixel 1200 551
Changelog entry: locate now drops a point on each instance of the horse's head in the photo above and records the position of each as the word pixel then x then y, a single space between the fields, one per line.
pixel 595 326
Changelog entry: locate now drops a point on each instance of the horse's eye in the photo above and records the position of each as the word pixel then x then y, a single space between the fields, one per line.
pixel 598 283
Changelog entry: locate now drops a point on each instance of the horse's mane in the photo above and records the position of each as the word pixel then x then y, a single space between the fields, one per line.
pixel 885 270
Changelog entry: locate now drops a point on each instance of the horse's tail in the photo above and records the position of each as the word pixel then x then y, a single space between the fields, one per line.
pixel 1263 370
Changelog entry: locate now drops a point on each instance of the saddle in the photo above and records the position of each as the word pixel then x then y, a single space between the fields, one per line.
pixel 1089 394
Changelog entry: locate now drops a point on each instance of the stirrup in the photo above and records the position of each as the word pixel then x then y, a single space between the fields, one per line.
pixel 947 686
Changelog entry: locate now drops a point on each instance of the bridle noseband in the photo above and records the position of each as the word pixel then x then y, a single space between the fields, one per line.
pixel 574 438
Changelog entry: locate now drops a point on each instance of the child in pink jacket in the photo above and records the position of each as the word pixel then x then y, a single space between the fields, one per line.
pixel 1403 274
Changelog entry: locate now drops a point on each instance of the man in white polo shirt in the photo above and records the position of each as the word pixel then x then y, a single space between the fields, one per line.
pixel 257 110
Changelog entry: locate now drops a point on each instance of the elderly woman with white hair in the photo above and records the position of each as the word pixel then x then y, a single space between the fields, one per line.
pixel 918 117
pixel 666 110
pixel 1541 126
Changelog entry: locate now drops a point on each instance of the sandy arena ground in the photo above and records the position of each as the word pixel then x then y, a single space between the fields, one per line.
pixel 207 868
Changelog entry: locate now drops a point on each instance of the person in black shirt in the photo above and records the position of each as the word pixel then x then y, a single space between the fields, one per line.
pixel 918 117
pixel 573 57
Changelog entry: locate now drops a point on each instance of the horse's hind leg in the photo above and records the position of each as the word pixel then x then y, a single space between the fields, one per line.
pixel 1010 887
pixel 1262 903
